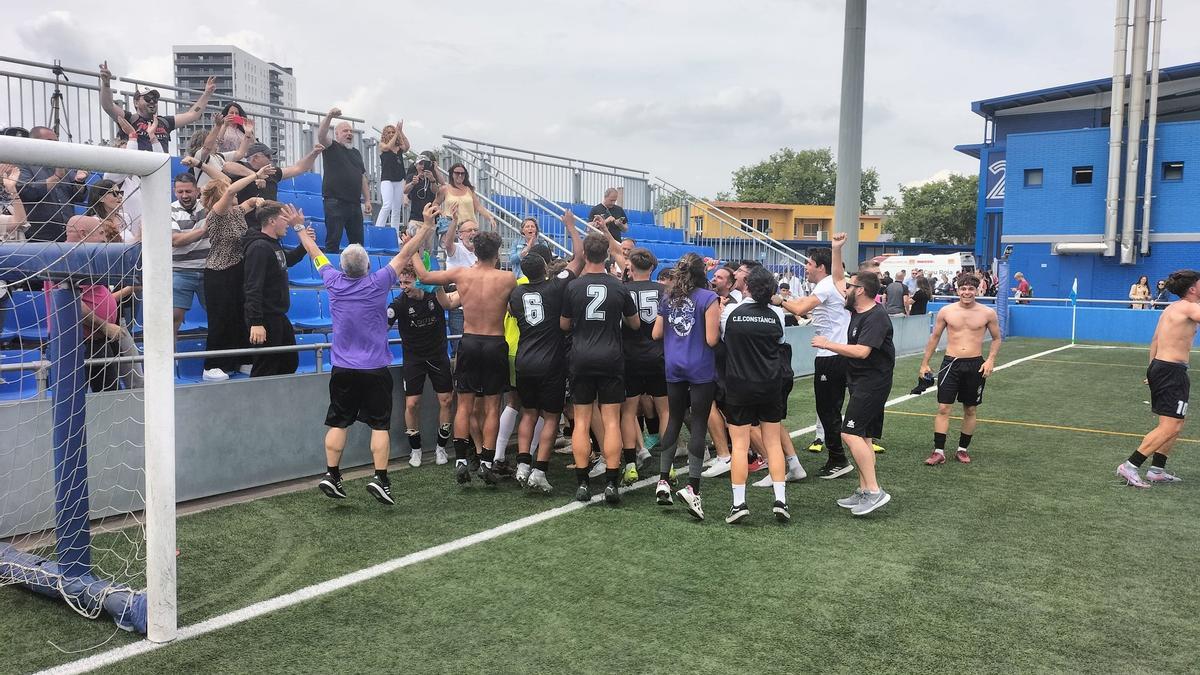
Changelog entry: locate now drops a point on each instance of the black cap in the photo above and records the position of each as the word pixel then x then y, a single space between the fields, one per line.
pixel 256 148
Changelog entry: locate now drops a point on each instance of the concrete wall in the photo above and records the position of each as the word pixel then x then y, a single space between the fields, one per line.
pixel 231 436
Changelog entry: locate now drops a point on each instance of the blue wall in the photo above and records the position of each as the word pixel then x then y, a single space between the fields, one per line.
pixel 1057 206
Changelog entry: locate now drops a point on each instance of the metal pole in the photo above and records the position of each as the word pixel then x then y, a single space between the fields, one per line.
pixel 847 199
pixel 1116 129
pixel 160 420
pixel 1151 125
pixel 1133 148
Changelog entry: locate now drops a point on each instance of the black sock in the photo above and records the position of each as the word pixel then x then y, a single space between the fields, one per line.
pixel 541 465
pixel 524 458
pixel 381 474
pixel 964 441
pixel 443 435
pixel 939 441
pixel 595 442
pixel 652 425
pixel 568 429
pixel 642 422
pixel 1137 458
pixel 694 483
pixel 334 471
pixel 487 456
pixel 1158 460
pixel 612 476
pixel 461 446
pixel 629 455
pixel 665 475
pixel 581 476
pixel 414 440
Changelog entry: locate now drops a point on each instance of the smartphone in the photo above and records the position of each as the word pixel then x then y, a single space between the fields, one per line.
pixel 236 119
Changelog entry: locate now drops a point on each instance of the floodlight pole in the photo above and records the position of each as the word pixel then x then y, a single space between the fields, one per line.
pixel 848 197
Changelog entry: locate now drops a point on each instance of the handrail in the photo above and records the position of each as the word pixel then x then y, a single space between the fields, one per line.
pixel 543 154
pixel 157 85
pixel 1081 301
pixel 788 252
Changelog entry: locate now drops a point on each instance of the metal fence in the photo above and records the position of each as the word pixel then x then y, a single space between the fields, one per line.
pixel 67 99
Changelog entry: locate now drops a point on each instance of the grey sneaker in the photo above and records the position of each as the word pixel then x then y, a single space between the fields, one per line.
pixel 870 501
pixel 851 501
pixel 537 481
pixel 1160 476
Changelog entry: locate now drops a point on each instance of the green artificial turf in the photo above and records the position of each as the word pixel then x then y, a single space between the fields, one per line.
pixel 1032 558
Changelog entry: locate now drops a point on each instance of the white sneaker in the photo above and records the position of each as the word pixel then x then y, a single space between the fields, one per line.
pixel 598 469
pixel 643 456
pixel 246 369
pixel 523 471
pixel 796 474
pixel 708 459
pixel 414 458
pixel 720 467
pixel 537 481
pixel 439 456
pixel 564 449
pixel 214 375
pixel 765 481
pixel 692 501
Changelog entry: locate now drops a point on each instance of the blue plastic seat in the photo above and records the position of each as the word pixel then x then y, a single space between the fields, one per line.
pixel 307 182
pixel 194 319
pixel 380 240
pixel 188 371
pixel 26 316
pixel 16 385
pixel 308 357
pixel 396 348
pixel 310 310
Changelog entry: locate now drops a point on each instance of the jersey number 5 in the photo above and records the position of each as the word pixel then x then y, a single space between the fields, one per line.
pixel 598 294
pixel 534 312
pixel 647 302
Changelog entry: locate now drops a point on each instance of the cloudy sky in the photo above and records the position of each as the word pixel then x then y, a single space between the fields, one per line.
pixel 688 89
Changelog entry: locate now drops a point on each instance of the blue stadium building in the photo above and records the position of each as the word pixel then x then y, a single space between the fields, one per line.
pixel 1054 146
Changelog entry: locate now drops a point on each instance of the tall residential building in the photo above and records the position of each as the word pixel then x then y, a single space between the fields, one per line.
pixel 260 86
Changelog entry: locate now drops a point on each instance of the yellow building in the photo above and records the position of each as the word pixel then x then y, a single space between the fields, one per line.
pixel 782 222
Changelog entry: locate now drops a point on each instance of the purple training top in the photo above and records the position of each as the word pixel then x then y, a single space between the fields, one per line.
pixel 689 358
pixel 359 310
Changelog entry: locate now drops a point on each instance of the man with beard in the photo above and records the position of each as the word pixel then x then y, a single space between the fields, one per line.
pixel 343 180
pixel 146 104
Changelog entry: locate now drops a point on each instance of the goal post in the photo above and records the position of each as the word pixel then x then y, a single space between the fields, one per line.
pixel 61 268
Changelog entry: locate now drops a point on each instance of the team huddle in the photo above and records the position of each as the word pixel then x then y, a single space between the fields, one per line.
pixel 593 339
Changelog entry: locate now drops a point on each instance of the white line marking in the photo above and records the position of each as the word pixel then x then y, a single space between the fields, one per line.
pixel 908 397
pixel 316 590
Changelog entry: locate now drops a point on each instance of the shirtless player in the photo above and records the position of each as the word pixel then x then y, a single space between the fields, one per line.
pixel 964 371
pixel 1168 379
pixel 482 368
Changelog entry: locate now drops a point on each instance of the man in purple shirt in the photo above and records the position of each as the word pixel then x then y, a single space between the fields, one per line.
pixel 360 387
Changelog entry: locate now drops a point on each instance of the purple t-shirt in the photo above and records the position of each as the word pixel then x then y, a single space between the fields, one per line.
pixel 689 358
pixel 359 310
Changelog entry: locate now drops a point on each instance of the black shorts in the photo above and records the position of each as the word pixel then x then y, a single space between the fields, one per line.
pixel 770 409
pixel 547 393
pixel 1169 388
pixel 362 395
pixel 588 389
pixel 864 412
pixel 649 378
pixel 482 367
pixel 437 369
pixel 785 392
pixel 960 380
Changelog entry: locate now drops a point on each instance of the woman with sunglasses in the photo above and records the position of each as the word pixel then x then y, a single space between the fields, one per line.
pixel 105 220
pixel 458 199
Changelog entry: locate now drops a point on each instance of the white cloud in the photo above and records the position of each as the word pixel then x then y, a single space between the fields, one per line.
pixel 940 174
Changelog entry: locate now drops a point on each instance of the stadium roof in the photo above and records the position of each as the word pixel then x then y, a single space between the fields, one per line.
pixel 989 107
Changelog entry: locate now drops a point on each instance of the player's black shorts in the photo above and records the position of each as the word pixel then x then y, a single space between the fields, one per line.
pixel 864 412
pixel 770 408
pixel 437 369
pixel 649 378
pixel 588 389
pixel 785 391
pixel 719 396
pixel 1169 388
pixel 482 367
pixel 547 393
pixel 362 395
pixel 960 380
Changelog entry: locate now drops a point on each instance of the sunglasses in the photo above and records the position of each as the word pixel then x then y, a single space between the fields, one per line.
pixel 458 173
pixel 116 193
pixel 854 285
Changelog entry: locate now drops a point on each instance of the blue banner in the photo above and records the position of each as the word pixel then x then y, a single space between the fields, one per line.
pixel 1002 292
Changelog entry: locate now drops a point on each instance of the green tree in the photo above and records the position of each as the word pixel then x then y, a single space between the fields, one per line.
pixel 798 177
pixel 941 211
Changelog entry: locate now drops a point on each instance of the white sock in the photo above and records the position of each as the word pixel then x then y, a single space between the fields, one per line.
pixel 459 461
pixel 780 491
pixel 727 459
pixel 508 422
pixel 961 449
pixel 739 494
pixel 537 435
pixel 820 431
pixel 792 462
pixel 939 451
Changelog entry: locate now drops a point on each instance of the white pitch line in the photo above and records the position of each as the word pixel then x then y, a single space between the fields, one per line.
pixel 324 588
pixel 908 397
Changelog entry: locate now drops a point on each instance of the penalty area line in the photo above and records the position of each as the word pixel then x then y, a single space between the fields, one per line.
pixel 908 397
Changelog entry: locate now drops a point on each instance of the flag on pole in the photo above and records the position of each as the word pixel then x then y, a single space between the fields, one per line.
pixel 1074 290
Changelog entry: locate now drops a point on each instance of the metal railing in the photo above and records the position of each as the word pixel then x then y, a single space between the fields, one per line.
pixel 1062 301
pixel 31 86
pixel 563 179
pixel 705 224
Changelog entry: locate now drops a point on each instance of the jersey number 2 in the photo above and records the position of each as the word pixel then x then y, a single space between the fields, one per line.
pixel 598 294
pixel 534 312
